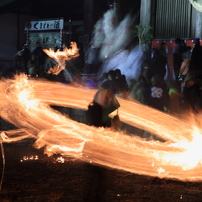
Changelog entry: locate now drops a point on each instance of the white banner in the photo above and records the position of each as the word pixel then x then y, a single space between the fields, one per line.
pixel 44 25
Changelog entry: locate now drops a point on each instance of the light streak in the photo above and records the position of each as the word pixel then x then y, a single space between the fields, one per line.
pixel 61 56
pixel 179 156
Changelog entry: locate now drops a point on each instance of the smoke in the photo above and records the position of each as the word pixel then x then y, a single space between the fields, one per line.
pixel 113 39
pixel 98 34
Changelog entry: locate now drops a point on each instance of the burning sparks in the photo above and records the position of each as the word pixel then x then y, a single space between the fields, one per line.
pixel 61 56
pixel 187 159
pixel 26 104
pixel 29 158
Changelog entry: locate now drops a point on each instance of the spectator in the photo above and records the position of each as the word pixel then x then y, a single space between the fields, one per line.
pixel 196 58
pixel 162 50
pixel 177 56
pixel 158 63
pixel 19 62
pixel 121 84
pixel 187 53
pixel 186 70
pixel 175 97
pixel 110 83
pixel 32 66
pixel 40 58
pixel 157 94
pixel 138 91
pixel 198 105
pixel 25 54
pixel 191 92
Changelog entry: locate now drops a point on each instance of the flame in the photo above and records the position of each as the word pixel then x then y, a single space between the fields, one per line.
pixel 61 56
pixel 26 104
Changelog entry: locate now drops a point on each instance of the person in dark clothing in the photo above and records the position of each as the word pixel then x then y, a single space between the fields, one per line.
pixel 191 94
pixel 158 63
pixel 196 58
pixel 19 63
pixel 177 56
pixel 40 58
pixel 162 50
pixel 138 90
pixel 26 55
pixel 32 66
pixel 198 104
pixel 110 83
pixel 157 94
pixel 121 83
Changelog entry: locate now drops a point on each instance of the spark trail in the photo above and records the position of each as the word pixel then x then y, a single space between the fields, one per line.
pixel 26 104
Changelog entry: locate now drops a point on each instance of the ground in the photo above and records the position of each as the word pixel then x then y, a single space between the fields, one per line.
pixel 47 180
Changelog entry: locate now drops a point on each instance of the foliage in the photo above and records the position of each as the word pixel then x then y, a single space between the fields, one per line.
pixel 143 33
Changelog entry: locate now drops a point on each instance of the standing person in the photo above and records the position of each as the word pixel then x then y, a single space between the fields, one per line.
pixel 158 63
pixel 40 58
pixel 187 53
pixel 138 90
pixel 186 70
pixel 190 94
pixel 196 58
pixel 32 66
pixel 177 57
pixel 26 55
pixel 19 62
pixel 157 94
pixel 175 97
pixel 162 50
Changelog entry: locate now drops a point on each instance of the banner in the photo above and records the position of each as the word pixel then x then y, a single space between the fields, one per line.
pixel 44 25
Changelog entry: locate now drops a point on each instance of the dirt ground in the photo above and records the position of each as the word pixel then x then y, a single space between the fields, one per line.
pixel 47 180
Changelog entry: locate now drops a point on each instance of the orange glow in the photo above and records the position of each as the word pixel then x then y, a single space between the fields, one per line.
pixel 26 104
pixel 61 56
